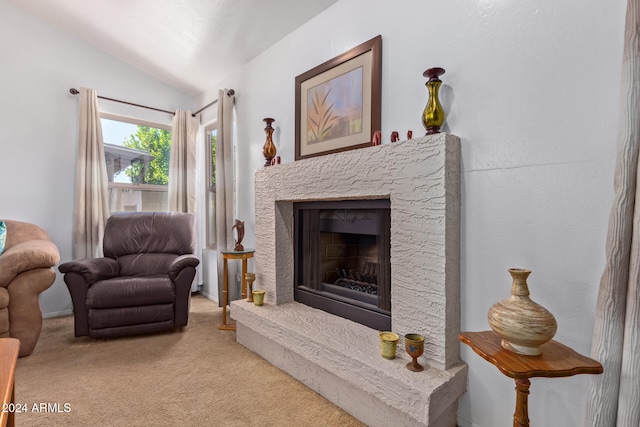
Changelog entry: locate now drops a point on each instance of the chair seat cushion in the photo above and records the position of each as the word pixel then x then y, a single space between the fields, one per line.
pixel 131 292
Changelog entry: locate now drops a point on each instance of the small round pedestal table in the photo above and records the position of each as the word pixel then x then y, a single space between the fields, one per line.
pixel 227 255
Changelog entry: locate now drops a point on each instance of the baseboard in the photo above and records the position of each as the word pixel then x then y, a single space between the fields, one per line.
pixel 57 314
pixel 464 423
pixel 213 298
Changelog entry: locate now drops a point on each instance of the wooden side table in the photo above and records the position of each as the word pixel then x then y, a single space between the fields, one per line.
pixel 556 360
pixel 9 349
pixel 227 255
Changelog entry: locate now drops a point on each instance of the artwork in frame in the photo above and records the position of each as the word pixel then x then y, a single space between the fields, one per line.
pixel 338 102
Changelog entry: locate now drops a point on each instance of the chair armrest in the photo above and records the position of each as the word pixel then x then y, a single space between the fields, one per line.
pixel 26 256
pixel 92 269
pixel 180 263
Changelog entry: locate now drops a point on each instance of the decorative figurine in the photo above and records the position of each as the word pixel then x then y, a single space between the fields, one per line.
pixel 395 136
pixel 239 226
pixel 377 138
pixel 433 115
pixel 269 148
pixel 275 161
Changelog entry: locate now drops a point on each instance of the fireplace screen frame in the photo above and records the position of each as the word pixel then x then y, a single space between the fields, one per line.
pixel 309 289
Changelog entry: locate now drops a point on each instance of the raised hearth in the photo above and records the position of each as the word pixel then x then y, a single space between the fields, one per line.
pixel 339 358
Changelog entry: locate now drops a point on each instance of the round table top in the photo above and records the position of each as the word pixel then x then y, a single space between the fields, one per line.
pixel 556 360
pixel 231 251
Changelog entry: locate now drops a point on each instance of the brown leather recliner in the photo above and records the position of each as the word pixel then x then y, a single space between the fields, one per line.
pixel 26 270
pixel 143 282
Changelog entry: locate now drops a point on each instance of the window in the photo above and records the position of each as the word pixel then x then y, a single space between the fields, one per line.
pixel 137 159
pixel 211 133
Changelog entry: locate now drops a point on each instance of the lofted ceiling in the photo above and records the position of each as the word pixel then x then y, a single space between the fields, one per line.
pixel 188 44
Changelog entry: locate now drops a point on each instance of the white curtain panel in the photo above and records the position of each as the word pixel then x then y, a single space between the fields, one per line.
pixel 182 162
pixel 614 396
pixel 182 187
pixel 224 192
pixel 91 205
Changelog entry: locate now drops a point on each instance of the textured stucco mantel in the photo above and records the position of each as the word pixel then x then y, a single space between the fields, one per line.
pixel 421 177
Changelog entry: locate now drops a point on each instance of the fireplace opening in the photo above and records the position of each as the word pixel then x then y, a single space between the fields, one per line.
pixel 342 259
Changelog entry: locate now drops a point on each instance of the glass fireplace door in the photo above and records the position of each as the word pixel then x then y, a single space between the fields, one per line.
pixel 343 259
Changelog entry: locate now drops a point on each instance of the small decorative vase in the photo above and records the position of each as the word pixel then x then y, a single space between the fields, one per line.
pixel 414 344
pixel 388 344
pixel 522 324
pixel 269 148
pixel 433 114
pixel 258 297
pixel 250 278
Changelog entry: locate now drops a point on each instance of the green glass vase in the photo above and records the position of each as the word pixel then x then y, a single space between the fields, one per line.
pixel 433 115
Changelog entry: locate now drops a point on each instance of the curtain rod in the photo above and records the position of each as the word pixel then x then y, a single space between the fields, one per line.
pixel 75 91
pixel 230 92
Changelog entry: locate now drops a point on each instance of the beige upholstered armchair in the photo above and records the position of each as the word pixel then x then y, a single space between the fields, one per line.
pixel 26 270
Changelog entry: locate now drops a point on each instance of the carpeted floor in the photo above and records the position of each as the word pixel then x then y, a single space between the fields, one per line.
pixel 198 376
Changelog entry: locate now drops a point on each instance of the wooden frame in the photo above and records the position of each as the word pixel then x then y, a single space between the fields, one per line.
pixel 338 103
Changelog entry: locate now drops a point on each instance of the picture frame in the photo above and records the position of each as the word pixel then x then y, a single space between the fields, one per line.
pixel 338 103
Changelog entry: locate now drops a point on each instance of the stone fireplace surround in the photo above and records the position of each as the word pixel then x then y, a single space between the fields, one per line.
pixel 338 358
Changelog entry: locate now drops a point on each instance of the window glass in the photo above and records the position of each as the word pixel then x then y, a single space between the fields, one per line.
pixel 137 160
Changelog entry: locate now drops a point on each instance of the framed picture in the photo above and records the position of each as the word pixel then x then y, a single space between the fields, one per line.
pixel 338 102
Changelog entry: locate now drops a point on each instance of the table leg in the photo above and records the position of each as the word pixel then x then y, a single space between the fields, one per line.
pixel 11 419
pixel 521 416
pixel 244 278
pixel 225 299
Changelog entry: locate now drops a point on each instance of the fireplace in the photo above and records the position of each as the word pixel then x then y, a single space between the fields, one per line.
pixel 342 259
pixel 339 358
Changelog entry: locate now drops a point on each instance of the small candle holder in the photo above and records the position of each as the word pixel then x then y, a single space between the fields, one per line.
pixel 388 344
pixel 250 278
pixel 414 344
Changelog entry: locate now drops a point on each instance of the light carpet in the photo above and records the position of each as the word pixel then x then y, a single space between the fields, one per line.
pixel 197 376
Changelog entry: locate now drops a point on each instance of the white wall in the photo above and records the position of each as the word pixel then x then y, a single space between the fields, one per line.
pixel 532 90
pixel 38 123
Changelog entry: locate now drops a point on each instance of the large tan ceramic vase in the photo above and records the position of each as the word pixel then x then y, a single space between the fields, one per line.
pixel 522 324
